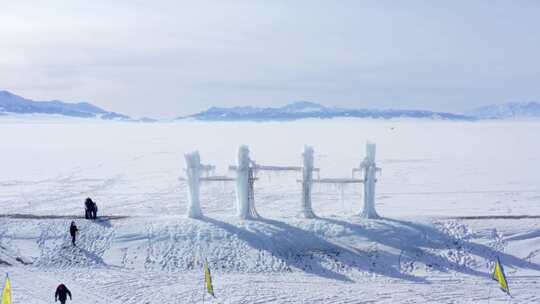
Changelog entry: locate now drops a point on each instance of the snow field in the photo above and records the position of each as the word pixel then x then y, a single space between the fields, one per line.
pixel 423 250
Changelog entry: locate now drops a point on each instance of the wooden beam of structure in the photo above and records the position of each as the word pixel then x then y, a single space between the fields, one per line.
pixel 354 170
pixel 217 179
pixel 274 168
pixel 212 179
pixel 337 181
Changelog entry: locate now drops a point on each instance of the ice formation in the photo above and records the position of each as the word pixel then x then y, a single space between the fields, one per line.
pixel 193 173
pixel 369 169
pixel 307 182
pixel 245 198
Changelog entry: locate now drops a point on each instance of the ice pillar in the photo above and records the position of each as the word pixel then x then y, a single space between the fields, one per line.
pixel 370 169
pixel 245 199
pixel 193 172
pixel 307 182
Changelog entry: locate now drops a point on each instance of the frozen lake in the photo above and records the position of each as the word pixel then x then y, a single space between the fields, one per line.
pixel 471 168
pixel 434 173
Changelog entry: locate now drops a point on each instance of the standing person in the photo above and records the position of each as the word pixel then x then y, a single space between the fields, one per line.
pixel 73 231
pixel 61 294
pixel 94 210
pixel 88 207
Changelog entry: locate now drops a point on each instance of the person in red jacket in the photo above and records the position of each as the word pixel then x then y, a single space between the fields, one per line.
pixel 61 294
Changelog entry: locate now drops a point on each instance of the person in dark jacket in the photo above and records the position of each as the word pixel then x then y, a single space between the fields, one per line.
pixel 90 209
pixel 88 205
pixel 73 232
pixel 94 211
pixel 61 294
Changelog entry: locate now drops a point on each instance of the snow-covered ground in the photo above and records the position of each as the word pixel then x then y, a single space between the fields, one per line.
pixel 453 195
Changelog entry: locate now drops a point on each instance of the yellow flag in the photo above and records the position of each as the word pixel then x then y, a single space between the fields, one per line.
pixel 207 279
pixel 499 276
pixel 6 292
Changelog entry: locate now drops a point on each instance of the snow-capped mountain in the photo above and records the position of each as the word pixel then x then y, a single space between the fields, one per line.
pixel 524 110
pixel 11 103
pixel 305 109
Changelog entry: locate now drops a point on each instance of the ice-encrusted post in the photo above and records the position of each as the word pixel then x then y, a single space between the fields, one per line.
pixel 245 199
pixel 307 182
pixel 369 169
pixel 193 173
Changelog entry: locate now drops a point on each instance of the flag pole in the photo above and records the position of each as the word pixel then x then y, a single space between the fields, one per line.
pixel 489 289
pixel 204 291
pixel 204 283
pixel 489 293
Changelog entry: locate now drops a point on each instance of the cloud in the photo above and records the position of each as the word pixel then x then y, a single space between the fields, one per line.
pixel 167 58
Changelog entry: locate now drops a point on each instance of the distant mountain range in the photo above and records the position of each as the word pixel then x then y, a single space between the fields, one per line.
pixel 305 109
pixel 512 110
pixel 11 103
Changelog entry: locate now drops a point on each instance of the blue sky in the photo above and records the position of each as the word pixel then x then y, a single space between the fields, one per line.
pixel 166 58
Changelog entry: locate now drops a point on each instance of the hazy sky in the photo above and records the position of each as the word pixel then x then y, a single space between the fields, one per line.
pixel 167 58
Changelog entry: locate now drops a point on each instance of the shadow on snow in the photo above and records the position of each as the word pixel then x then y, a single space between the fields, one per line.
pixel 416 242
pixel 308 252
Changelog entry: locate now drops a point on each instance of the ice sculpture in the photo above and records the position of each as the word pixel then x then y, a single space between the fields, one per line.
pixel 369 169
pixel 193 173
pixel 245 198
pixel 307 182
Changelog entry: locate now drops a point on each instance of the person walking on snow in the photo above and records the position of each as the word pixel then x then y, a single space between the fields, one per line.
pixel 61 294
pixel 73 231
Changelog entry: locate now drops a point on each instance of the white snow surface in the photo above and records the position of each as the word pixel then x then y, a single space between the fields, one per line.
pixel 452 197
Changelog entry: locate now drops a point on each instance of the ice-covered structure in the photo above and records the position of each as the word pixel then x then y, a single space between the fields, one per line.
pixel 245 197
pixel 369 169
pixel 246 170
pixel 193 174
pixel 307 182
pixel 245 178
